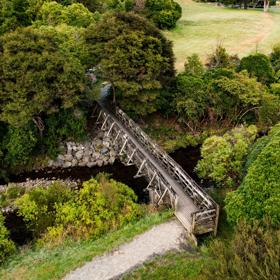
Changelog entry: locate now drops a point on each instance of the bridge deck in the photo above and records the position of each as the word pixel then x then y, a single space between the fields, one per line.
pixel 185 205
pixel 168 182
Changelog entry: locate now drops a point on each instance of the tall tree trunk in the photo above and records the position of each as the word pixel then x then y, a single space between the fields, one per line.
pixel 266 6
pixel 245 4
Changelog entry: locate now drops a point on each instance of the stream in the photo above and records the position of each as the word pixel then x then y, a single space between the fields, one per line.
pixel 186 157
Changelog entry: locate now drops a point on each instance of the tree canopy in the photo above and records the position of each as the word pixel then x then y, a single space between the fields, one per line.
pixel 134 56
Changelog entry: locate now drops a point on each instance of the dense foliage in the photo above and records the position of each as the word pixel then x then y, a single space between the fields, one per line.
pixel 223 157
pixel 220 94
pixel 252 254
pixel 164 13
pixel 258 196
pixel 7 247
pixel 55 213
pixel 135 57
pixel 258 65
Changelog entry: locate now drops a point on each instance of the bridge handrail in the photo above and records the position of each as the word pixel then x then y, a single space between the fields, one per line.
pixel 193 187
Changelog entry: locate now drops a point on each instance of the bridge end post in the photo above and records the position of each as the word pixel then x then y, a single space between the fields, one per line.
pixel 217 220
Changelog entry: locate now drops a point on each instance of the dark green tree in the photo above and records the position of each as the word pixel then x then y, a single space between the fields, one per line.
pixel 258 65
pixel 39 76
pixel 164 13
pixel 134 57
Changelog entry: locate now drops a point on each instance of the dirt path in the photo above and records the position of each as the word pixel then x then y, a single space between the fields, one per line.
pixel 267 25
pixel 157 241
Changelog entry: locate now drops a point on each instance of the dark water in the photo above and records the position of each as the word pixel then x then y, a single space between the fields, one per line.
pixel 187 158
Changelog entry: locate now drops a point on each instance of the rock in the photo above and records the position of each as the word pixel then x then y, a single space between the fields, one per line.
pixel 68 157
pixel 99 163
pixel 79 154
pixel 67 164
pixel 90 164
pixel 104 151
pixel 106 144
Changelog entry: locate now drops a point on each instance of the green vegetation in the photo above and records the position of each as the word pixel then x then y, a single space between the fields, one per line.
pixel 258 196
pixel 134 57
pixel 223 157
pixel 164 13
pixel 253 253
pixel 174 265
pixel 7 247
pixel 55 213
pixel 53 263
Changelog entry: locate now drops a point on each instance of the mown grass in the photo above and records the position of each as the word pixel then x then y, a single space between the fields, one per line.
pixel 54 263
pixel 173 265
pixel 241 32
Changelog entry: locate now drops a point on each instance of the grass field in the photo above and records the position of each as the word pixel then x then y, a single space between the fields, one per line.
pixel 203 26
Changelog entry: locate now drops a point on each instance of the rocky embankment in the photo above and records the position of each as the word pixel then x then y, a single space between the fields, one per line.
pixel 96 152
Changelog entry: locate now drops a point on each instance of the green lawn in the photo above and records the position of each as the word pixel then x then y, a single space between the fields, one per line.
pixel 172 266
pixel 54 263
pixel 203 26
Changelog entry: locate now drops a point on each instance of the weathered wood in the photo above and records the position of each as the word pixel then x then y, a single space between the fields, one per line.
pixel 196 210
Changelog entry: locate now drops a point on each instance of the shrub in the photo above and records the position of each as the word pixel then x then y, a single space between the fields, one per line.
pixel 67 125
pixel 37 207
pixel 101 205
pixel 53 13
pixel 258 65
pixel 258 196
pixel 19 144
pixel 275 58
pixel 7 247
pixel 223 157
pixel 221 59
pixel 164 13
pixel 252 254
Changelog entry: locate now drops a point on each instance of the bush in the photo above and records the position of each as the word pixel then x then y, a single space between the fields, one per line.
pixel 37 207
pixel 252 254
pixel 101 205
pixel 7 247
pixel 164 13
pixel 53 13
pixel 258 65
pixel 221 59
pixel 223 157
pixel 19 144
pixel 275 58
pixel 67 125
pixel 258 196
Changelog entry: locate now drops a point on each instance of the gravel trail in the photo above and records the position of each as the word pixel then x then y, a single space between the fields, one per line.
pixel 156 241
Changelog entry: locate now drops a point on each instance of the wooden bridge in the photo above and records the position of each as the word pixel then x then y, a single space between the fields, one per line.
pixel 167 181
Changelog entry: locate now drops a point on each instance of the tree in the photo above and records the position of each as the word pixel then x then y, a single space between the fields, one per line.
pixel 53 13
pixel 134 57
pixel 258 196
pixel 258 65
pixel 223 157
pixel 164 13
pixel 253 253
pixel 39 76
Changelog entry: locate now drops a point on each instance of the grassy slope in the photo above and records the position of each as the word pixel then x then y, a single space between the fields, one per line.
pixel 173 265
pixel 54 263
pixel 203 26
